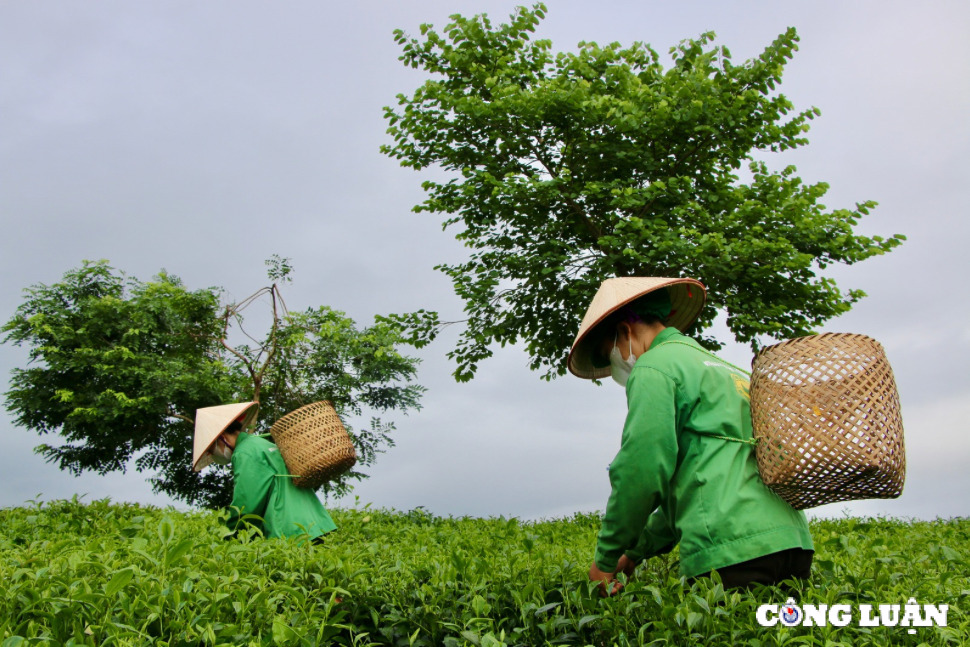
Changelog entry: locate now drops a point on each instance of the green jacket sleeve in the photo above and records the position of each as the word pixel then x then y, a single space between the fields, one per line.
pixel 253 483
pixel 641 473
pixel 657 538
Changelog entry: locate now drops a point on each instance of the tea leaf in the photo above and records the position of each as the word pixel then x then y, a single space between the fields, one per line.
pixel 118 581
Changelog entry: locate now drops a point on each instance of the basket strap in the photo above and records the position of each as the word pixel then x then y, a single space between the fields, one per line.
pixel 749 441
pixel 706 352
pixel 746 441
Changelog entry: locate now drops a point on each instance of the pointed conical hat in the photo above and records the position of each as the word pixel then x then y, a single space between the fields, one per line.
pixel 687 298
pixel 212 421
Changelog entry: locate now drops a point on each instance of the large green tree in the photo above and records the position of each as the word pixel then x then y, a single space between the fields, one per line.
pixel 118 368
pixel 569 168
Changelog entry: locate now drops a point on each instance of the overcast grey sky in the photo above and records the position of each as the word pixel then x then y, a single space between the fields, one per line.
pixel 203 137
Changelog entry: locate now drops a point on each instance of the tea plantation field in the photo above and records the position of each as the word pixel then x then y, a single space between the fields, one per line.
pixel 117 574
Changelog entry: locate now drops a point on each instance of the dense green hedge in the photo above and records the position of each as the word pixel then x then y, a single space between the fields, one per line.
pixel 116 574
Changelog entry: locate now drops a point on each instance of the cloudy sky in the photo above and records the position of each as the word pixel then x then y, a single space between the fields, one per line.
pixel 204 137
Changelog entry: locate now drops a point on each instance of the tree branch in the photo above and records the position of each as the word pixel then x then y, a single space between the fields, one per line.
pixel 232 350
pixel 258 377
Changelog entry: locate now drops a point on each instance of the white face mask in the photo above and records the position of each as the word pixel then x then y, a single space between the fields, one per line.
pixel 221 453
pixel 621 368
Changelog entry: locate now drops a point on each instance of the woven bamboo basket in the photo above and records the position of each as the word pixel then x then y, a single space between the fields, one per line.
pixel 826 415
pixel 314 443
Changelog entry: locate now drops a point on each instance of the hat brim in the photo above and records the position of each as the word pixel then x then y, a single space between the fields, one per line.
pixel 687 298
pixel 210 422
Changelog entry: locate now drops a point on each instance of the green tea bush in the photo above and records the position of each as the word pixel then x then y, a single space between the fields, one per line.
pixel 117 574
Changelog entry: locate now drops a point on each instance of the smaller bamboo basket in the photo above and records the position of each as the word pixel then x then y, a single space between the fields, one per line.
pixel 825 412
pixel 314 443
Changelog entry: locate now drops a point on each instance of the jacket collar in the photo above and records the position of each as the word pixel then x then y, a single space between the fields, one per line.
pixel 664 335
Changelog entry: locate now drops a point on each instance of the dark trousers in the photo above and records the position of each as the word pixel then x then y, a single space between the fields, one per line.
pixel 772 569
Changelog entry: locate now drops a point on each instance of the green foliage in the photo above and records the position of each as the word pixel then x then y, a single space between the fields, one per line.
pixel 573 167
pixel 118 368
pixel 106 573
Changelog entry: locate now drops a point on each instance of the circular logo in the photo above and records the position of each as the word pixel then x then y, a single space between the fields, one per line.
pixel 790 614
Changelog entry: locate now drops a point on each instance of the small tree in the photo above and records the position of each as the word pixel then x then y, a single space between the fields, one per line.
pixel 570 168
pixel 118 368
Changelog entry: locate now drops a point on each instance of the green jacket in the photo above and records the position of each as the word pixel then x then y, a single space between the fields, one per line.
pixel 264 489
pixel 675 481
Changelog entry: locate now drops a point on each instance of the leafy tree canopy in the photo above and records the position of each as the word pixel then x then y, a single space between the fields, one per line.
pixel 569 168
pixel 118 368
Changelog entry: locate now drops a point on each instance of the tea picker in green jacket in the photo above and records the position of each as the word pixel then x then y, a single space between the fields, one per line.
pixel 686 472
pixel 263 486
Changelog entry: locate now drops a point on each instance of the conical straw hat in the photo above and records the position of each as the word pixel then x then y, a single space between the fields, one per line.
pixel 212 421
pixel 687 298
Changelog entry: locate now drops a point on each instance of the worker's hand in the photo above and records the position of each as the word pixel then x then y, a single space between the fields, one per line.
pixel 607 581
pixel 626 566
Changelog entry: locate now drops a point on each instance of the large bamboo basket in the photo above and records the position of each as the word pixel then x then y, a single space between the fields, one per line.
pixel 826 415
pixel 314 443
